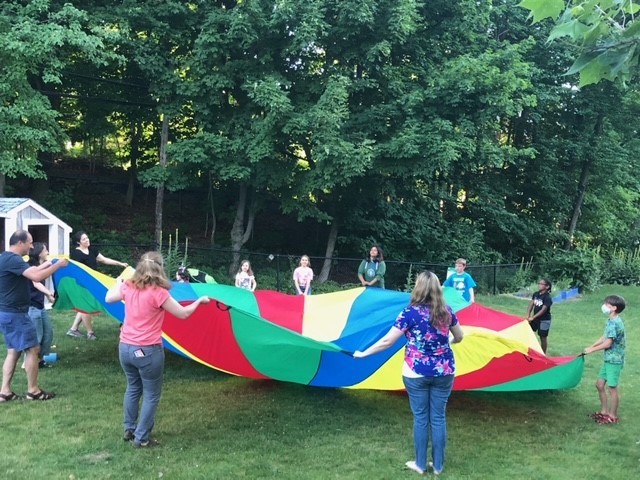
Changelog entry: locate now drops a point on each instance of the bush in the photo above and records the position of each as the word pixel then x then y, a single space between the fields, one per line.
pixel 583 268
pixel 519 281
pixel 623 267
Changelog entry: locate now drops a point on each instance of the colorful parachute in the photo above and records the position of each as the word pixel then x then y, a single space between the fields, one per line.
pixel 309 340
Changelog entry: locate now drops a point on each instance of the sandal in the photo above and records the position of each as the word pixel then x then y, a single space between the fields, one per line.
pixel 8 397
pixel 597 415
pixel 607 420
pixel 41 395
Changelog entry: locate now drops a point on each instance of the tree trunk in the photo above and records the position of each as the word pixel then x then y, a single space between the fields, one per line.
pixel 328 254
pixel 582 183
pixel 214 219
pixel 240 233
pixel 3 182
pixel 164 138
pixel 136 132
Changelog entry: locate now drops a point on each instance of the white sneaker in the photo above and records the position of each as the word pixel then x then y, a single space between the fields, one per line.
pixel 411 465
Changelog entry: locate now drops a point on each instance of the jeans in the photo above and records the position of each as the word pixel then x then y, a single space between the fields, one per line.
pixel 44 329
pixel 428 398
pixel 144 368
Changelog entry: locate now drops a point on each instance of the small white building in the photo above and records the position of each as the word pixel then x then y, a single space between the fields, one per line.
pixel 25 214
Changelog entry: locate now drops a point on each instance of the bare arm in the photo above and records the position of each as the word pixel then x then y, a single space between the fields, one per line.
pixel 529 308
pixel 458 334
pixel 109 261
pixel 601 344
pixel 174 308
pixel 472 295
pixel 41 288
pixel 540 313
pixel 114 294
pixel 385 342
pixel 45 270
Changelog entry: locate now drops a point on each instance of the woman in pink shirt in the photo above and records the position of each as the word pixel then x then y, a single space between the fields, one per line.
pixel 146 296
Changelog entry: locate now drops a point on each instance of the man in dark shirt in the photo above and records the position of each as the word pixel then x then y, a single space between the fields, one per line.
pixel 19 332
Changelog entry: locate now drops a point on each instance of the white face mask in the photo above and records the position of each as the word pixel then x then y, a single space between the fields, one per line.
pixel 606 310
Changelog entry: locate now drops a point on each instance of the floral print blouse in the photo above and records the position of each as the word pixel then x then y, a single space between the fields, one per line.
pixel 428 352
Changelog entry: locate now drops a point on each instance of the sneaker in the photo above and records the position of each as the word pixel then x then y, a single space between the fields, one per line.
pixel 43 364
pixel 91 336
pixel 146 444
pixel 128 435
pixel 435 472
pixel 411 465
pixel 74 333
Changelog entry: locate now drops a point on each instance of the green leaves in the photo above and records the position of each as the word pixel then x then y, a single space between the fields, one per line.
pixel 541 9
pixel 606 35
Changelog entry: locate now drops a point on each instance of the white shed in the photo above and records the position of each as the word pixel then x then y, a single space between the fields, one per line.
pixel 25 214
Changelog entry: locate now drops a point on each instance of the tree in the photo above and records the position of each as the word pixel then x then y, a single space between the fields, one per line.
pixel 605 33
pixel 37 42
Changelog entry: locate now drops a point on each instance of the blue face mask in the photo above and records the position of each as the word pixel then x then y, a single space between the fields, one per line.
pixel 606 310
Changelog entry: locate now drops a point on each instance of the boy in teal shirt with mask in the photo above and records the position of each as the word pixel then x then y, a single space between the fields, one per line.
pixel 613 344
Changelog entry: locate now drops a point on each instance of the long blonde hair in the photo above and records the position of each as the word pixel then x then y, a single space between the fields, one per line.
pixel 427 291
pixel 150 272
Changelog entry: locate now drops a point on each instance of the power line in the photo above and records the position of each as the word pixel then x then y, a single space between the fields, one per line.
pixel 106 80
pixel 96 99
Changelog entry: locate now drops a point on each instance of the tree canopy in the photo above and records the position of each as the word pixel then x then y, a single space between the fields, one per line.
pixel 438 129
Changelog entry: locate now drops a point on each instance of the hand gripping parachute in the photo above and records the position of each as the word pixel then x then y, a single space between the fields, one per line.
pixel 309 339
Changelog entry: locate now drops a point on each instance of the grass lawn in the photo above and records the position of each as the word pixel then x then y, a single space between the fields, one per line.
pixel 216 426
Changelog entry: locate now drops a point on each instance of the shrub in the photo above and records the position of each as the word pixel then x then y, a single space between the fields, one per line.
pixel 583 267
pixel 623 267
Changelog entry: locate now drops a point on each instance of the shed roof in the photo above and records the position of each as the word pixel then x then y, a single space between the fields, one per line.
pixel 8 204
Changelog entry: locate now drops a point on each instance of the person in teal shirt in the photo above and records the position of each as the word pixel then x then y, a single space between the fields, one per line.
pixel 613 344
pixel 462 281
pixel 372 269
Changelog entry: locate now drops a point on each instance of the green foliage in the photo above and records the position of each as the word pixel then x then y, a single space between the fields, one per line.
pixel 61 204
pixel 606 33
pixel 623 267
pixel 411 279
pixel 174 256
pixel 584 267
pixel 37 42
pixel 522 278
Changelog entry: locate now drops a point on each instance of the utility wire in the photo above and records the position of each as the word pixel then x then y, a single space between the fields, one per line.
pixel 96 99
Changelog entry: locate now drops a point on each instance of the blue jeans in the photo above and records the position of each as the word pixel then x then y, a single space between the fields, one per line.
pixel 428 398
pixel 44 329
pixel 144 368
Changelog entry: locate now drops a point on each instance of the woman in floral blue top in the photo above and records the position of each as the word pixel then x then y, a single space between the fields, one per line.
pixel 429 366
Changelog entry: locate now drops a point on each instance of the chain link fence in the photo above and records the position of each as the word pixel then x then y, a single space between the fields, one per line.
pixel 275 271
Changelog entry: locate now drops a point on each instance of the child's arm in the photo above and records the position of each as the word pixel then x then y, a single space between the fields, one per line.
pixel 472 296
pixel 529 308
pixel 539 314
pixel 44 290
pixel 253 283
pixel 237 279
pixel 601 344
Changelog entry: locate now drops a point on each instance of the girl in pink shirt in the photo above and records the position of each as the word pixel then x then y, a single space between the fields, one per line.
pixel 146 298
pixel 302 276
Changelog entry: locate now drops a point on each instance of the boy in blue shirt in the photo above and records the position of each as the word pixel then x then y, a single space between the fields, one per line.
pixel 613 344
pixel 462 281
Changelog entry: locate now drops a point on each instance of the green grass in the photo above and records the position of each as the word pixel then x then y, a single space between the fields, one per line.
pixel 214 425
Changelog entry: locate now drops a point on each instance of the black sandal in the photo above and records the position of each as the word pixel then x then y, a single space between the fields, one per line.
pixel 41 395
pixel 8 397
